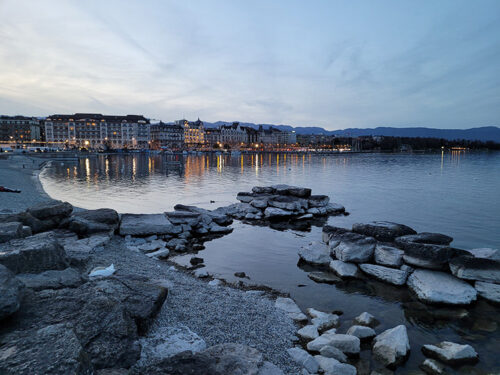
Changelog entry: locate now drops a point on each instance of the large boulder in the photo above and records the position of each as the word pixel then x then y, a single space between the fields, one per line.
pixel 315 253
pixel 84 227
pixel 304 359
pixel 36 225
pixel 316 201
pixel 388 256
pixel 353 247
pixel 383 230
pixel 52 279
pixel 51 209
pixel 53 349
pixel 11 293
pixel 262 189
pixel 245 197
pixel 101 215
pixel 343 269
pixel 145 224
pixel 451 353
pixel 10 231
pixel 476 268
pixel 440 287
pixel 434 254
pixel 392 346
pixel 488 291
pixel 386 274
pixel 33 254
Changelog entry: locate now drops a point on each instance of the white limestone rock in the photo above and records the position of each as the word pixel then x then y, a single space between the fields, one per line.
pixel 290 307
pixel 309 332
pixel 343 269
pixel 315 253
pixel 361 332
pixel 323 320
pixel 331 366
pixel 389 275
pixel 304 359
pixel 451 353
pixel 432 367
pixel 366 319
pixel 355 248
pixel 348 344
pixel 392 346
pixel 488 291
pixel 333 352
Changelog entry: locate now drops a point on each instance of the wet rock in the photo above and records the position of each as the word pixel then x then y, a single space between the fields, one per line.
pixel 33 254
pixel 343 269
pixel 388 256
pixel 309 332
pixel 183 217
pixel 53 349
pixel 319 211
pixel 48 210
pixel 332 352
pixel 101 215
pixel 485 252
pixel 53 279
pixel 323 277
pixel 476 268
pixel 392 346
pixel 290 307
pixel 304 359
pixel 166 342
pixel 262 189
pixel 330 231
pixel 334 209
pixel 240 274
pixel 29 220
pixel 366 319
pixel 361 332
pixel 323 320
pixel 386 274
pixel 318 201
pixel 10 231
pixel 215 228
pixel 488 291
pixel 287 203
pixel 426 238
pixel 145 225
pixel 383 230
pixel 439 287
pixel 451 353
pixel 195 261
pixel 11 293
pixel 432 367
pixel 244 197
pixel 276 213
pixel 85 227
pixel 331 366
pixel 315 253
pixel 26 231
pixel 354 248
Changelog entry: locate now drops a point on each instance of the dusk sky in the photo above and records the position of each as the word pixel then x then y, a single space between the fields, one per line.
pixel 335 64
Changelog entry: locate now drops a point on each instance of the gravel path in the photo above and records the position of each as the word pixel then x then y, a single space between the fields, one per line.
pixel 14 176
pixel 217 314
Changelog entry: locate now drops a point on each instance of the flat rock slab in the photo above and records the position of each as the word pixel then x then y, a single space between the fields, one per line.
pixel 323 277
pixel 309 332
pixel 52 279
pixel 353 247
pixel 101 215
pixel 476 268
pixel 388 256
pixel 389 275
pixel 392 346
pixel 51 209
pixel 315 253
pixel 440 287
pixel 488 291
pixel 33 254
pixel 383 230
pixel 451 353
pixel 11 293
pixel 425 237
pixel 10 231
pixel 344 269
pixel 145 225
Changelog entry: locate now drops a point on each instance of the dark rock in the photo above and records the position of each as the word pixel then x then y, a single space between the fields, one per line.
pixel 426 255
pixel 330 231
pixel 10 231
pixel 53 279
pixel 244 197
pixel 262 189
pixel 84 227
pixel 53 349
pixel 472 268
pixel 291 190
pixel 352 247
pixel 240 274
pixel 29 220
pixel 101 215
pixel 195 261
pixel 145 225
pixel 183 217
pixel 383 230
pixel 287 203
pixel 50 209
pixel 11 293
pixel 185 363
pixel 318 201
pixel 33 254
pixel 425 237
pixel 235 358
pixel 324 277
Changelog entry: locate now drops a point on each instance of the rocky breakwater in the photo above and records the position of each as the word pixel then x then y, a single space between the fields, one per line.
pixel 282 202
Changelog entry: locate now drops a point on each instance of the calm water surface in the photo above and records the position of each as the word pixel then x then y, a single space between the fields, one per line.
pixel 452 193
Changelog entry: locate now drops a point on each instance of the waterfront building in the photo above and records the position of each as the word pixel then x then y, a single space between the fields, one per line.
pixel 19 129
pixel 167 135
pixel 97 131
pixel 252 136
pixel 233 135
pixel 213 136
pixel 194 132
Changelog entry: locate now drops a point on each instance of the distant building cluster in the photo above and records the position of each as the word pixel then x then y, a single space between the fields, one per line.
pixel 97 131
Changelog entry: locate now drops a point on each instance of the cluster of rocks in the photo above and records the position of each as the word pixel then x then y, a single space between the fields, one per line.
pixel 322 349
pixel 398 255
pixel 282 202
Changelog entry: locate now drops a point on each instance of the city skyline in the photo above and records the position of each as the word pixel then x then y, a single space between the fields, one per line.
pixel 398 64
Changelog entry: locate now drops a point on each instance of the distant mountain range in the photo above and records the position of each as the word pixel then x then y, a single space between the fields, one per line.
pixel 485 133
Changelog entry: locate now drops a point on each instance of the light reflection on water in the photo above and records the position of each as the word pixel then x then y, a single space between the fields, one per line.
pixel 454 193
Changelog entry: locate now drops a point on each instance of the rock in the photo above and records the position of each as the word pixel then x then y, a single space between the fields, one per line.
pixel 476 268
pixel 309 332
pixel 145 225
pixel 260 203
pixel 361 332
pixel 426 238
pixel 35 224
pixel 53 349
pixel 151 246
pixel 215 282
pixel 334 209
pixel 304 359
pixel 383 230
pixel 11 293
pixel 83 227
pixel 201 273
pixel 317 211
pixel 329 232
pixel 355 248
pixel 33 254
pixel 318 201
pixel 244 197
pixel 319 342
pixel 332 352
pixel 427 250
pixel 263 189
pixel 183 217
pixel 180 364
pixel 287 203
pixel 315 253
pixel 48 210
pixel 195 261
pixel 344 269
pixel 290 307
pixel 233 358
pixel 323 320
pixel 388 256
pixel 52 279
pixel 161 254
pixel 26 231
pixel 331 366
pixel 291 190
pixel 392 346
pixel 165 342
pixel 10 231
pixel 432 367
pixel 488 291
pixel 240 274
pixel 485 252
pixel 269 368
pixel 217 229
pixel 348 344
pixel 366 319
pixel 389 275
pixel 451 353
pixel 323 277
pixel 276 213
pixel 101 215
pixel 439 287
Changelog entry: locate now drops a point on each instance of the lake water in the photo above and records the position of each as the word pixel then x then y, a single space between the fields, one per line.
pixel 456 193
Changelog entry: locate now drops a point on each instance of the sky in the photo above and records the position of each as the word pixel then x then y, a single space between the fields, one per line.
pixel 335 64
